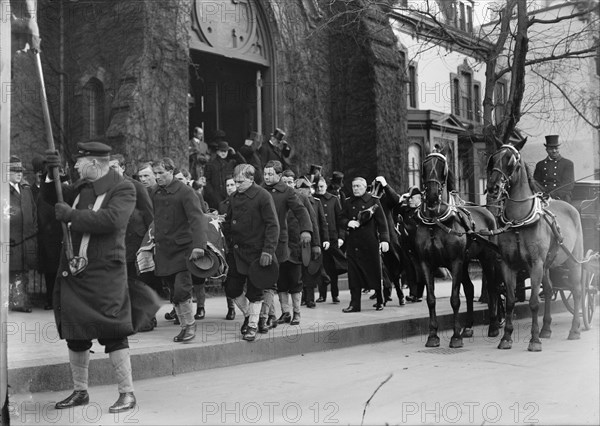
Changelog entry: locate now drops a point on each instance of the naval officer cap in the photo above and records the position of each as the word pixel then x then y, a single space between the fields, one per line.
pixel 93 149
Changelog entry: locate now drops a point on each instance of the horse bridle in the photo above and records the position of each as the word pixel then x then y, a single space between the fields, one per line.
pixel 433 175
pixel 515 162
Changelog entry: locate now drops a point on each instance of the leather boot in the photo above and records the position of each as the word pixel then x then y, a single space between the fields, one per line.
pixel 186 334
pixel 230 314
pixel 295 319
pixel 200 313
pixel 244 328
pixel 171 315
pixel 79 362
pixel 125 402
pixel 285 317
pixel 80 397
pixel 250 335
pixel 272 321
pixel 262 325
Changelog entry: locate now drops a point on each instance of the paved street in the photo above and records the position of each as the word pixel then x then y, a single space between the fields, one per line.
pixel 478 384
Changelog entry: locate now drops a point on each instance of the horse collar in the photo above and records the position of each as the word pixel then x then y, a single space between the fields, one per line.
pixel 534 215
pixel 434 220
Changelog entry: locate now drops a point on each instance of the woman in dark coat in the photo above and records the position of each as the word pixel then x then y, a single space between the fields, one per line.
pixel 367 233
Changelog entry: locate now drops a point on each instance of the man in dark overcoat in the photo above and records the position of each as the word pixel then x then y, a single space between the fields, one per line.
pixel 180 234
pixel 276 149
pixel 555 173
pixel 139 222
pixel 216 172
pixel 91 298
pixel 320 235
pixel 367 234
pixel 251 231
pixel 394 262
pixel 285 199
pixel 223 208
pixel 333 258
pixel 23 236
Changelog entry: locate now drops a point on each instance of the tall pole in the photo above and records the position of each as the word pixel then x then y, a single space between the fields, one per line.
pixel 50 140
pixel 5 78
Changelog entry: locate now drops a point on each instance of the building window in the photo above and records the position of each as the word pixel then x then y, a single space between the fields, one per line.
pixel 93 108
pixel 461 17
pixel 477 102
pixel 412 86
pixel 500 103
pixel 456 95
pixel 469 19
pixel 414 165
pixel 466 94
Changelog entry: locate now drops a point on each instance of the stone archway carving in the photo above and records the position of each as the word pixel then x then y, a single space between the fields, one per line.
pixel 232 28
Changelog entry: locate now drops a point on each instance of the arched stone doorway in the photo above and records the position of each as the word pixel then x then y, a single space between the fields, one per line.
pixel 232 74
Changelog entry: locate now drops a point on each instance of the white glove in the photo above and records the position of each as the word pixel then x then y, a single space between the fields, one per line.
pixel 384 246
pixel 340 242
pixel 353 224
pixel 381 180
pixel 326 245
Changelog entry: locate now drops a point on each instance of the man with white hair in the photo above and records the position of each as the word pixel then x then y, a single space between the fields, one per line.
pixel 367 234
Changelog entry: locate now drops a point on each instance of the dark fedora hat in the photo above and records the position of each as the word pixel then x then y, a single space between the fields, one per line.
pixel 552 141
pixel 263 277
pixel 223 146
pixel 278 134
pixel 204 267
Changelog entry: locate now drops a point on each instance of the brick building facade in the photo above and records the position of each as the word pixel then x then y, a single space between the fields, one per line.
pixel 140 74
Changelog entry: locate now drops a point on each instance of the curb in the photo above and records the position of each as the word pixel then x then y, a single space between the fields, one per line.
pixel 232 350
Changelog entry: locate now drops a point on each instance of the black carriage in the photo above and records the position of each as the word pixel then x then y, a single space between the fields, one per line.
pixel 586 199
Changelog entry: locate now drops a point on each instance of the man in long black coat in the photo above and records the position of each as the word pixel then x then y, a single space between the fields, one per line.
pixel 23 236
pixel 285 199
pixel 334 261
pixel 394 261
pixel 367 234
pixel 251 230
pixel 180 234
pixel 91 299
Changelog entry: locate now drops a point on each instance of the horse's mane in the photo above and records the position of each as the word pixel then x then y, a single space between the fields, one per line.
pixel 533 184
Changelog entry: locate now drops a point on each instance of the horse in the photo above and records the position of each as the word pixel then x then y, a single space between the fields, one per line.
pixel 532 231
pixel 446 236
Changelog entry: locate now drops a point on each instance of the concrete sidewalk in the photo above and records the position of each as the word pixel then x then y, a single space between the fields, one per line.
pixel 38 360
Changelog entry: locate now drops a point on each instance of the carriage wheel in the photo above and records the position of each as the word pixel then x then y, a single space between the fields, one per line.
pixel 567 299
pixel 589 293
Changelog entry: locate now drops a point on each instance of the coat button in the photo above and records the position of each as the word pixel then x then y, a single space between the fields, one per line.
pixel 65 274
pixel 235 246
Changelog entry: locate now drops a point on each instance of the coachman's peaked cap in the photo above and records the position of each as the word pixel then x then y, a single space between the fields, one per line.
pixel 15 165
pixel 93 149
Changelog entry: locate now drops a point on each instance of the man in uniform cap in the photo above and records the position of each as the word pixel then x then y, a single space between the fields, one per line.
pixel 91 298
pixel 555 173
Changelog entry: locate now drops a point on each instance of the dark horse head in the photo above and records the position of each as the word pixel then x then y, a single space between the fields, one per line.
pixel 435 173
pixel 504 171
